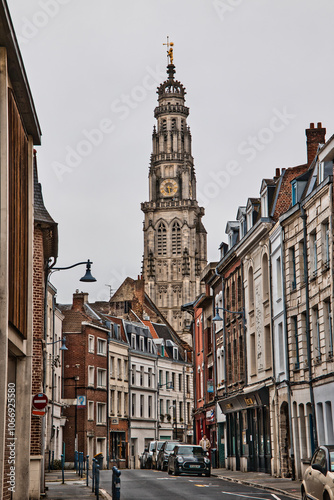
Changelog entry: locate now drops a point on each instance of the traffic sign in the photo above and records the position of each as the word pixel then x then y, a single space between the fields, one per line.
pixel 38 413
pixel 40 401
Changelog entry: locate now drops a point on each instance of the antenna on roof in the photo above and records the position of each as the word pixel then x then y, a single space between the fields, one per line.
pixel 110 290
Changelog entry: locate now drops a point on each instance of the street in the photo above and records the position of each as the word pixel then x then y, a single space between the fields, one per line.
pixel 152 484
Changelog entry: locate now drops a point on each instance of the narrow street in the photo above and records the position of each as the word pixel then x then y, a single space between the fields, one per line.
pixel 151 484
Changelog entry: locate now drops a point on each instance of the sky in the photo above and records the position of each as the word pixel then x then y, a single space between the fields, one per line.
pixel 256 72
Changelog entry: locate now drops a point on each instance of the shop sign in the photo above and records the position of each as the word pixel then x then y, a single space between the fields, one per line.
pixel 249 401
pixel 210 416
pixel 210 385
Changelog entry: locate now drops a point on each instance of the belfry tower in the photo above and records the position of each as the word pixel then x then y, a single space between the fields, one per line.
pixel 175 249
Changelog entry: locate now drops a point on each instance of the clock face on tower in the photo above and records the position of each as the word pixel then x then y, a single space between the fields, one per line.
pixel 168 187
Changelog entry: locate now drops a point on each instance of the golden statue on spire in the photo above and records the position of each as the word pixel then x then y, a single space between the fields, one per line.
pixel 170 46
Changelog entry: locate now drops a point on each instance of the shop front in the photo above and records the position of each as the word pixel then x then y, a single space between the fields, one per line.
pixel 248 431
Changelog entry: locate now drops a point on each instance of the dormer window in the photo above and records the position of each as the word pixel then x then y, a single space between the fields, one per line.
pixel 294 192
pixel 133 341
pixel 264 203
pixel 321 171
pixel 175 353
pixel 142 343
pixel 249 219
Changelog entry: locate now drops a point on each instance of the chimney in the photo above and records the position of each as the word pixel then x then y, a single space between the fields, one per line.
pixel 79 299
pixel 314 137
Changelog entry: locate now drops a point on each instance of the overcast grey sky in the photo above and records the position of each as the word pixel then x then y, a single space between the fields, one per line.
pixel 257 72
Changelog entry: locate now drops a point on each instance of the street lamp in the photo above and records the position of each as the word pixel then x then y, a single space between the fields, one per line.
pixel 175 418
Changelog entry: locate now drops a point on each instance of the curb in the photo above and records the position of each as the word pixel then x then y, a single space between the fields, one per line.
pixel 104 494
pixel 260 486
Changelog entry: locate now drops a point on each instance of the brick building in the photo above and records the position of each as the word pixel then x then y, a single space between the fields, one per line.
pixel 85 379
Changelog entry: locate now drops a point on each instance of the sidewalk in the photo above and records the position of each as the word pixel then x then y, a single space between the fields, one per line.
pixel 74 487
pixel 261 480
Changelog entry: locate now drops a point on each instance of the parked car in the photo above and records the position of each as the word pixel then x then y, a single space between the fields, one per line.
pixel 165 450
pixel 318 481
pixel 156 448
pixel 146 456
pixel 189 459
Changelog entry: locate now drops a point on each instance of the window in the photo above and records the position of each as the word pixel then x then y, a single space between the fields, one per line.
pixel 279 278
pixel 149 346
pixel 280 348
pixel 160 377
pixel 112 402
pixel 101 417
pixel 173 381
pixel 133 405
pixel 295 332
pixel 180 382
pixel 149 406
pixel 126 402
pixel 112 366
pixel 188 384
pixel 119 403
pixel 294 192
pixel 325 242
pixel 149 377
pixel 133 341
pixel 141 376
pixel 125 369
pixel 91 343
pixel 264 203
pixel 181 411
pixel 161 406
pixel 133 374
pixel 176 239
pixel 91 375
pixel 316 333
pixel 167 377
pixel 175 353
pixel 162 239
pixel 90 410
pixel 142 348
pixel 328 327
pixel 141 405
pixel 119 369
pixel 314 256
pixel 292 258
pixel 267 347
pixel 102 347
pixel 188 413
pixel 101 377
pixel 265 277
pixel 250 289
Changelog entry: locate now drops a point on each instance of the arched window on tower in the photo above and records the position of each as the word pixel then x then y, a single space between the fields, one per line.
pixel 164 125
pixel 162 239
pixel 176 239
pixel 173 123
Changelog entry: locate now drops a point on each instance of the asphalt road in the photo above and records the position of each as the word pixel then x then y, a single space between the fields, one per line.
pixel 151 484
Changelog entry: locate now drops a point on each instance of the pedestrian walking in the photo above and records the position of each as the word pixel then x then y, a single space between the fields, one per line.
pixel 205 443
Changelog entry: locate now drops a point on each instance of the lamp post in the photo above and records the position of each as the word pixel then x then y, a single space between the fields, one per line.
pixel 87 278
pixel 175 419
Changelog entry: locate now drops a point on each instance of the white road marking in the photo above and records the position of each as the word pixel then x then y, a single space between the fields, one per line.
pixel 244 496
pixel 275 496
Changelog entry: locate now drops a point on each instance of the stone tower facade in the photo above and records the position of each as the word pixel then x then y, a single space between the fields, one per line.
pixel 175 246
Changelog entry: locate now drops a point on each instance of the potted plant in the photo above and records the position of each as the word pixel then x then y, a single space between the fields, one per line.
pixel 162 417
pixel 168 416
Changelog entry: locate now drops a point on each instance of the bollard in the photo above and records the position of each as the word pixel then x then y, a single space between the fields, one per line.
pixel 116 484
pixel 97 480
pixel 93 475
pixel 87 469
pixel 76 460
pixel 49 460
pixel 62 468
pixel 81 463
pixel 53 459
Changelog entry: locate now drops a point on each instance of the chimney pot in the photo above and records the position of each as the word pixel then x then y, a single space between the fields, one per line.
pixel 311 125
pixel 278 173
pixel 319 125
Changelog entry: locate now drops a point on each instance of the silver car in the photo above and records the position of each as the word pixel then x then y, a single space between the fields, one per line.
pixel 318 481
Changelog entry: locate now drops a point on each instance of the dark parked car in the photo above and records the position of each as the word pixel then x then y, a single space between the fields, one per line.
pixel 165 450
pixel 189 459
pixel 318 481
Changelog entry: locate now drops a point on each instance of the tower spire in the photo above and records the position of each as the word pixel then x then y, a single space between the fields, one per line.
pixel 170 46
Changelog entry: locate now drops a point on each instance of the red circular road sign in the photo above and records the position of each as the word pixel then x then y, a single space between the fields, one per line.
pixel 40 401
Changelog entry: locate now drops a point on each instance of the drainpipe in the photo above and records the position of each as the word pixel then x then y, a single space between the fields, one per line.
pixel 287 365
pixel 108 395
pixel 308 339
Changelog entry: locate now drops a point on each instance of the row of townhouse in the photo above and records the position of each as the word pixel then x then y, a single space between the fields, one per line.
pixel 126 381
pixel 263 332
